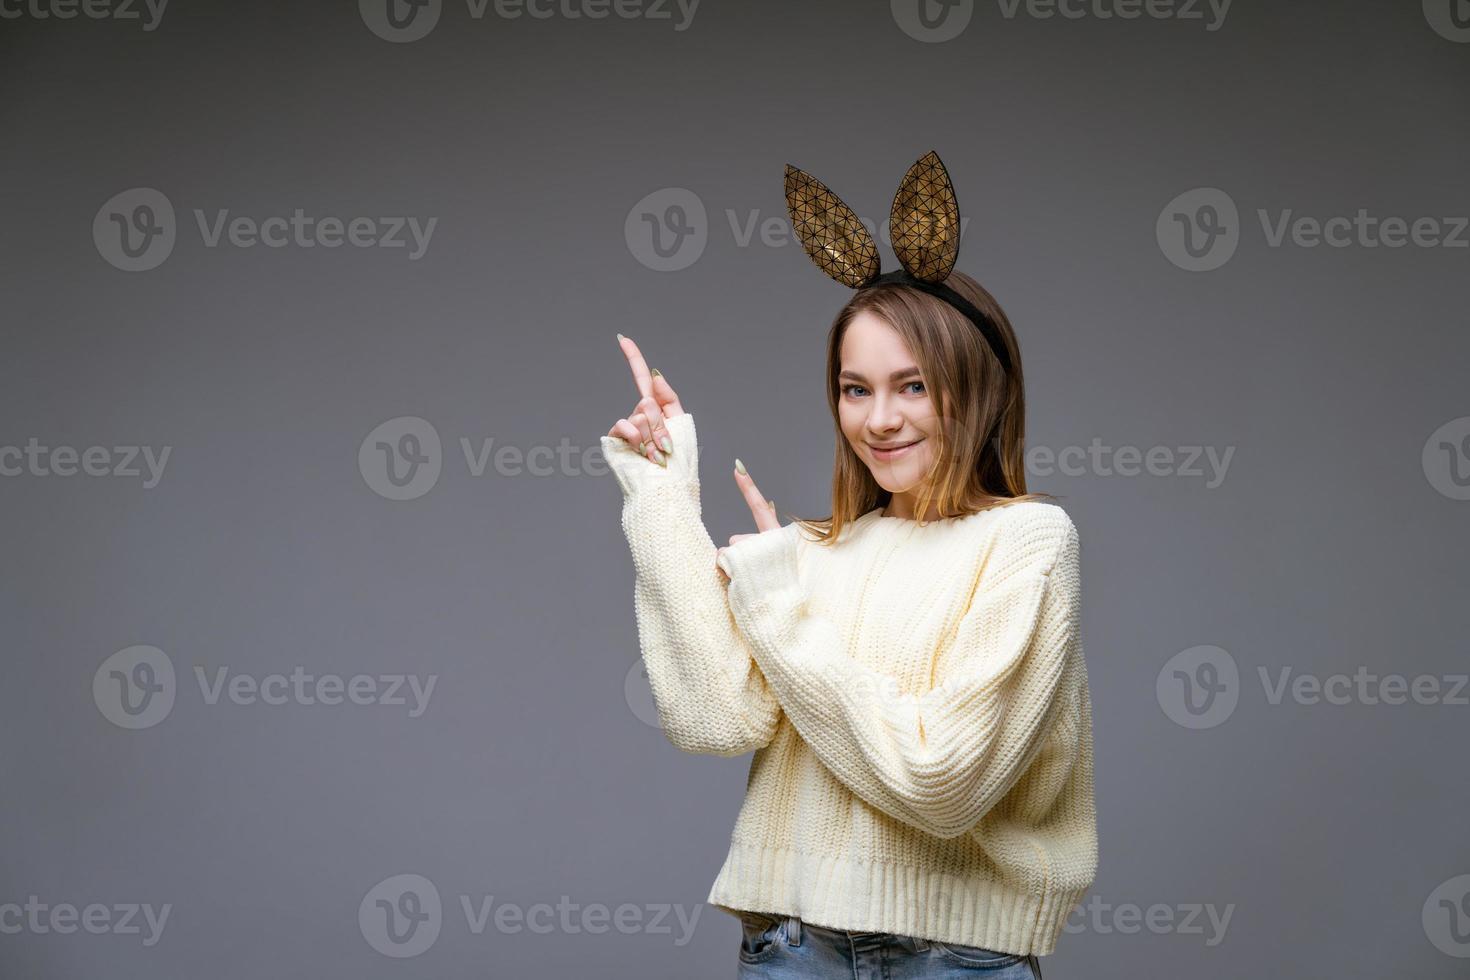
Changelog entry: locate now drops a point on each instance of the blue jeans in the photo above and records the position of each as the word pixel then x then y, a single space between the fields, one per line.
pixel 782 947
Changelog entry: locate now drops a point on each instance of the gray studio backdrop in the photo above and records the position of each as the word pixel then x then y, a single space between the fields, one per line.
pixel 319 650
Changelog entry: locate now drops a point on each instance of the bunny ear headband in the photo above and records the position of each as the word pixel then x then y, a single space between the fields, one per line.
pixel 924 223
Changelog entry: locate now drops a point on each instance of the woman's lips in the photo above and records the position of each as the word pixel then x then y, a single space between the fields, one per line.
pixel 886 454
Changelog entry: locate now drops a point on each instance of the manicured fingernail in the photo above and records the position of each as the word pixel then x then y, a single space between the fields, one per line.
pixel 657 373
pixel 668 445
pixel 739 465
pixel 660 459
pixel 771 504
pixel 621 337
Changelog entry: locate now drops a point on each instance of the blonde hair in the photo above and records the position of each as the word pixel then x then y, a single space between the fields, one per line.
pixel 972 394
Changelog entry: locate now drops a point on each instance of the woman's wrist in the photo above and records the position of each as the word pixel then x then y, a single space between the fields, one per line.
pixel 634 471
pixel 762 566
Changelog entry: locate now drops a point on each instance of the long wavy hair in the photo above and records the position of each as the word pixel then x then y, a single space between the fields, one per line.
pixel 979 460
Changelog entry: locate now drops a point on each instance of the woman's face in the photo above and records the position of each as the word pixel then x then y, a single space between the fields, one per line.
pixel 885 403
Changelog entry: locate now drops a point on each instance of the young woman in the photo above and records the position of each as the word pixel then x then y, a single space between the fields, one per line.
pixel 908 671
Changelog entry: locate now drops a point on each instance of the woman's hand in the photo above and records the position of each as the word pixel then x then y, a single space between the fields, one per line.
pixel 644 426
pixel 763 510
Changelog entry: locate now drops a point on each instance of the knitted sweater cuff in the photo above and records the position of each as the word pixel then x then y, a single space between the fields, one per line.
pixel 635 472
pixel 762 570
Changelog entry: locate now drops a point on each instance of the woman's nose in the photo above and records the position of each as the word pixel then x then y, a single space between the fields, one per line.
pixel 885 416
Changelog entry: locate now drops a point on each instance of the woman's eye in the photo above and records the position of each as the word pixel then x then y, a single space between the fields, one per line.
pixel 853 390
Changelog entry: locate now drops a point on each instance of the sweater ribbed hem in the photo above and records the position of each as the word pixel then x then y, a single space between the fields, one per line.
pixel 846 893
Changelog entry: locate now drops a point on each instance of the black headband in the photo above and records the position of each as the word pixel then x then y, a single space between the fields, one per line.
pixel 988 329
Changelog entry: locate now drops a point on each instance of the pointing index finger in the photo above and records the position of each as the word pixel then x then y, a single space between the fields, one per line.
pixel 760 508
pixel 641 376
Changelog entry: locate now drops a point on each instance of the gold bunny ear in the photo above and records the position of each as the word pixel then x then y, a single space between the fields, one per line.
pixel 829 230
pixel 925 221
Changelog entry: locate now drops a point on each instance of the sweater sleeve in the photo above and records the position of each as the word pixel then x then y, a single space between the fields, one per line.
pixel 938 760
pixel 711 696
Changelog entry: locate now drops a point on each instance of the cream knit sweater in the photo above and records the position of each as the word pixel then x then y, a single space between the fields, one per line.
pixel 916 698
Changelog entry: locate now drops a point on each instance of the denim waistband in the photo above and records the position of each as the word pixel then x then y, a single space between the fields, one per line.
pixel 794 925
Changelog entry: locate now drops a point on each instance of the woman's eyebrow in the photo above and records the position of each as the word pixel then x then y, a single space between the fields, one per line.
pixel 898 375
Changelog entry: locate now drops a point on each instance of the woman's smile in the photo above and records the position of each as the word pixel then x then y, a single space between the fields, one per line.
pixel 895 452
